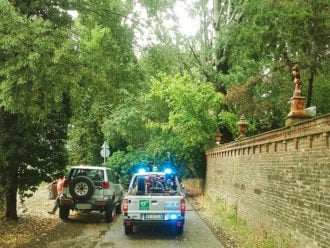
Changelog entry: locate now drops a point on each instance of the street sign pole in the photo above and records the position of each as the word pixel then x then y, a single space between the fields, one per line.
pixel 105 151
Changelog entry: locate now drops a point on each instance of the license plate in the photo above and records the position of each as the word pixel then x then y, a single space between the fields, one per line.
pixel 83 206
pixel 154 216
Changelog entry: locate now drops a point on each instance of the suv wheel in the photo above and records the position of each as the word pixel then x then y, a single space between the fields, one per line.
pixel 81 188
pixel 109 213
pixel 118 208
pixel 179 230
pixel 64 212
pixel 128 230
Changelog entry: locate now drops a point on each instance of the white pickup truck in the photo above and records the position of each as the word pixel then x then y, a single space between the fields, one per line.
pixel 154 198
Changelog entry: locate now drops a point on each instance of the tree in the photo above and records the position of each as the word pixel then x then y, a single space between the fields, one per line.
pixel 37 55
pixel 246 56
pixel 125 125
pixel 170 123
pixel 287 32
pixel 189 128
pixel 243 56
pixel 161 59
pixel 265 39
pixel 110 73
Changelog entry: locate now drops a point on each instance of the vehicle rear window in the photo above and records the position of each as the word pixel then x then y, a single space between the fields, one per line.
pixel 154 184
pixel 93 174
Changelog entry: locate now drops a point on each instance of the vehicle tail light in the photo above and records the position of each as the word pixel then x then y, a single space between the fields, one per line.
pixel 128 223
pixel 105 185
pixel 125 205
pixel 66 202
pixel 182 205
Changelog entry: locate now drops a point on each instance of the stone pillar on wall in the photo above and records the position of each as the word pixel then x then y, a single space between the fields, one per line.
pixel 297 111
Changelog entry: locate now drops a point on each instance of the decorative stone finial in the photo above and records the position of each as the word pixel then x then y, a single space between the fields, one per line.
pixel 218 136
pixel 297 112
pixel 242 126
pixel 296 80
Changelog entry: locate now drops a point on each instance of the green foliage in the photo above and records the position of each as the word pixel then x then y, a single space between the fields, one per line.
pixel 46 9
pixel 35 58
pixel 278 34
pixel 128 162
pixel 263 99
pixel 189 126
pixel 189 101
pixel 160 59
pixel 321 90
pixel 110 72
pixel 257 43
pixel 228 123
pixel 37 71
pixel 125 126
pixel 171 124
pixel 35 148
pixel 118 162
pixel 157 5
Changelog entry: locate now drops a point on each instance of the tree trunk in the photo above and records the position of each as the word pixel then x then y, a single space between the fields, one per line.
pixel 310 87
pixel 2 203
pixel 11 199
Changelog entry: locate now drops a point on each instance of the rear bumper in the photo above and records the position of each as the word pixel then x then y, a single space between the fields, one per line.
pixel 85 205
pixel 129 222
pixel 139 219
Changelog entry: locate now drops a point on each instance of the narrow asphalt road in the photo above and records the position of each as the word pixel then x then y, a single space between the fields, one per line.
pixel 196 234
pixel 91 231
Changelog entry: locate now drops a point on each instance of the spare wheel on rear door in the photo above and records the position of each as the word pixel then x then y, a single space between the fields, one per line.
pixel 81 188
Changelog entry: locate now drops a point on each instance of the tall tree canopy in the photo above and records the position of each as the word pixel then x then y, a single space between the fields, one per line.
pixel 173 118
pixel 263 40
pixel 37 69
pixel 110 72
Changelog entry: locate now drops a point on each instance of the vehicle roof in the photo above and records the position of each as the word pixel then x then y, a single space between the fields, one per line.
pixel 90 167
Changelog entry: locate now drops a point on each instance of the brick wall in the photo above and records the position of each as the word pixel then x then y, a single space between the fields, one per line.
pixel 279 181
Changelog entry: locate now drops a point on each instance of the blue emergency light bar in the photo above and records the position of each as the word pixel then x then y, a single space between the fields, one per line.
pixel 142 170
pixel 168 171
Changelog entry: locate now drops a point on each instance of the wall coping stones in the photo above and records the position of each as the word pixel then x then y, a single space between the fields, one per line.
pixel 306 129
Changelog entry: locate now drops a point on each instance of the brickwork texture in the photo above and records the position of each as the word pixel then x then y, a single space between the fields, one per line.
pixel 279 181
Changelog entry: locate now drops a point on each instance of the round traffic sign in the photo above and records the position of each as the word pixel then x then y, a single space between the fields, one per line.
pixel 105 153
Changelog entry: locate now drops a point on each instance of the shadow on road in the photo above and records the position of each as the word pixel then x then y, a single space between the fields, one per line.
pixel 161 232
pixel 86 218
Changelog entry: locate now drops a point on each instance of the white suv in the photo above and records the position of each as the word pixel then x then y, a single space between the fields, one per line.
pixel 91 188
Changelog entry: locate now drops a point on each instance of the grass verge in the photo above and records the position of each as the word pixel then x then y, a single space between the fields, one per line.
pixel 232 230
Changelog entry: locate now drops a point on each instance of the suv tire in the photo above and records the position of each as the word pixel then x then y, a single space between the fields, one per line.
pixel 179 230
pixel 64 212
pixel 128 230
pixel 81 188
pixel 118 208
pixel 109 213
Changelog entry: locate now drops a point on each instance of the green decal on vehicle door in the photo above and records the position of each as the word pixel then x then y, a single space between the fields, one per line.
pixel 144 205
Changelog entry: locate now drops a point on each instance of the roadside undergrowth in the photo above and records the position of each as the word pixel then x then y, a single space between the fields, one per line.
pixel 230 229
